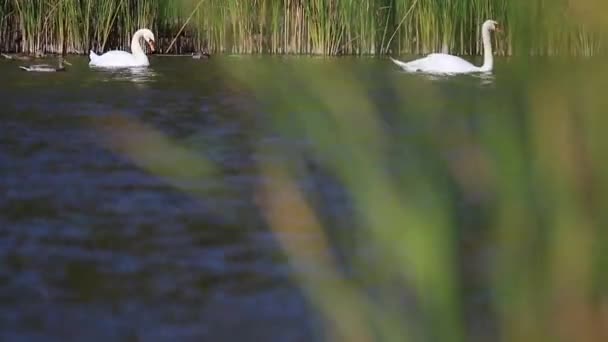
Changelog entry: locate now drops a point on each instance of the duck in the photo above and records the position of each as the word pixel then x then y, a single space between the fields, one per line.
pixel 202 54
pixel 441 63
pixel 45 67
pixel 23 57
pixel 121 59
pixel 17 57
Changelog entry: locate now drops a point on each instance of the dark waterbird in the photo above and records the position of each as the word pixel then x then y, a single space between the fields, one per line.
pixel 46 67
pixel 204 54
pixel 23 57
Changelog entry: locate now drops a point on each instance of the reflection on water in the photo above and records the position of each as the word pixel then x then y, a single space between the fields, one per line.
pixel 486 78
pixel 134 74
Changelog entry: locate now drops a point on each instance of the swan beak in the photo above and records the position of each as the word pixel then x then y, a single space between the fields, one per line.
pixel 152 46
pixel 498 29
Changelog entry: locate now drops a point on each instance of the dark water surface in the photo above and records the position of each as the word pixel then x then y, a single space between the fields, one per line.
pixel 94 248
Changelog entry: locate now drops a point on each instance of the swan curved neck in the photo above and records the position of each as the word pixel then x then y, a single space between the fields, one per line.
pixel 488 59
pixel 136 49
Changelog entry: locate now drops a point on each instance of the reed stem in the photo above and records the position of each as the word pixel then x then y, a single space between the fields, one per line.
pixel 324 27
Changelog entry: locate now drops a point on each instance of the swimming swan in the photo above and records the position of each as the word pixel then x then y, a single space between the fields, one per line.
pixel 441 63
pixel 118 59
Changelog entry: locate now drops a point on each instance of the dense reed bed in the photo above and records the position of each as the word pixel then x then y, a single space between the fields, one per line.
pixel 327 27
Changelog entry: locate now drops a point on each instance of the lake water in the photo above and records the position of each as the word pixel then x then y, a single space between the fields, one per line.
pixel 97 247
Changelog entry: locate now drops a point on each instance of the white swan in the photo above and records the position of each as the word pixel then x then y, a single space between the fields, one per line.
pixel 117 59
pixel 440 63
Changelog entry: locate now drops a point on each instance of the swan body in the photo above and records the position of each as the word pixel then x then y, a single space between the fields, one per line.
pixel 121 59
pixel 441 63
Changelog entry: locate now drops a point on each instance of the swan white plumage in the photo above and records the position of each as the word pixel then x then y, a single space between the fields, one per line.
pixel 440 63
pixel 117 59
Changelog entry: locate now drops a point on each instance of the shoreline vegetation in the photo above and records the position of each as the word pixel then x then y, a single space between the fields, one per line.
pixel 319 27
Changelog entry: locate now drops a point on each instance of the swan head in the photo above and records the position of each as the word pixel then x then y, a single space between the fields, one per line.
pixel 149 38
pixel 491 25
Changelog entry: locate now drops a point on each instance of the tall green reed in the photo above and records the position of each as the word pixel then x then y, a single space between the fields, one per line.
pixel 327 27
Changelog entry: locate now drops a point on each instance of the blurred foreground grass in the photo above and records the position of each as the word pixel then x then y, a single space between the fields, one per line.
pixel 532 175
